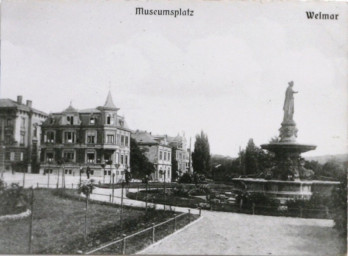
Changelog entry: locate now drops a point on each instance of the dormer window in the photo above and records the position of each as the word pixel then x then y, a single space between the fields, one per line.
pixel 70 119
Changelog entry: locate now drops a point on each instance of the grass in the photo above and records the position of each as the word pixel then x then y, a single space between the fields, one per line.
pixel 58 225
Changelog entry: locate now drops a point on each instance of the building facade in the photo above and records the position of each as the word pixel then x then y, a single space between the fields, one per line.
pixel 20 129
pixel 157 152
pixel 97 140
pixel 180 151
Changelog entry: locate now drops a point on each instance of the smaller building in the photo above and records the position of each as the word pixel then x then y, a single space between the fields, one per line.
pixel 180 152
pixel 157 152
pixel 20 130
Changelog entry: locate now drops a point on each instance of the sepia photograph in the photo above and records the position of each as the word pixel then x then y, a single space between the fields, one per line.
pixel 186 127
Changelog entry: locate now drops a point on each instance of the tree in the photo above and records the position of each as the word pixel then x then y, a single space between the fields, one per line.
pixel 175 170
pixel 251 157
pixel 140 165
pixel 201 155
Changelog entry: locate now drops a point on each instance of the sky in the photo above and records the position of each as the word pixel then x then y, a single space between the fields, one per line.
pixel 224 70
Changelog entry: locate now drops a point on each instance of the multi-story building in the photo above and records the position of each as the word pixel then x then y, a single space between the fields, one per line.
pixel 180 151
pixel 158 152
pixel 20 135
pixel 96 139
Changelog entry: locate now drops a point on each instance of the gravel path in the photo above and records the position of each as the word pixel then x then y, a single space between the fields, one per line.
pixel 241 234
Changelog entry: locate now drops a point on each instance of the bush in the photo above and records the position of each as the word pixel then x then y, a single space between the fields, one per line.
pixel 185 178
pixel 12 199
pixel 259 199
pixel 339 207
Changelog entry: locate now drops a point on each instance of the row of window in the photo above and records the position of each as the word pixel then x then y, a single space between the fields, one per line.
pixel 91 138
pixel 11 156
pixel 91 157
pixel 92 120
pixel 164 155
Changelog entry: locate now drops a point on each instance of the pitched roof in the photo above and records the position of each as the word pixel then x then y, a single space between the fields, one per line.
pixel 8 103
pixel 109 103
pixel 143 137
pixel 70 109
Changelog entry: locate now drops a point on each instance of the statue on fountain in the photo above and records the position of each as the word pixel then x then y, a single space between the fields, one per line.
pixel 289 107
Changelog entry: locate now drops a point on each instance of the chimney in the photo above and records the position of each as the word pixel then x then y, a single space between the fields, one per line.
pixel 19 99
pixel 29 103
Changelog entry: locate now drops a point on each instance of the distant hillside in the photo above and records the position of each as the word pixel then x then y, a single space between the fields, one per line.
pixel 325 158
pixel 222 157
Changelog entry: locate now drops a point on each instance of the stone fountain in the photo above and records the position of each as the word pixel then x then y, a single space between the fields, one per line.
pixel 288 178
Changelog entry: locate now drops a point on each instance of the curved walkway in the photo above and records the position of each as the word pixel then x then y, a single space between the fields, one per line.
pixel 241 234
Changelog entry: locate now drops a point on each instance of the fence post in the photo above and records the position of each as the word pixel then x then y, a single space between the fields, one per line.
pixel 48 180
pixel 300 212
pixel 37 185
pixel 153 233
pixel 31 219
pixel 253 208
pixel 122 206
pixel 110 197
pixel 72 185
pixel 174 223
pixel 200 211
pixel 189 214
pixel 124 244
pixel 23 179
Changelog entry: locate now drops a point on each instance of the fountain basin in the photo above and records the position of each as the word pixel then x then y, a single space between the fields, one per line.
pixel 287 190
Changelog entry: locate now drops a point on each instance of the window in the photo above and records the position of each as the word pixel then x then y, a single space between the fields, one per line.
pixel 70 119
pixel 118 139
pixel 69 156
pixel 168 155
pixel 165 156
pixel 90 157
pixel 23 122
pixel 70 171
pixel 110 138
pixel 35 131
pixel 50 137
pixel 12 156
pixel 92 120
pixel 21 156
pixel 126 159
pixel 22 138
pixel 70 137
pixel 160 174
pixel 109 119
pixel 168 173
pixel 49 157
pixel 122 140
pixel 127 141
pixel 117 158
pixel 121 159
pixel 160 155
pixel 90 139
pixel 9 122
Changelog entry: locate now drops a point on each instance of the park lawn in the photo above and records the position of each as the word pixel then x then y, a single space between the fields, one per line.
pixel 58 225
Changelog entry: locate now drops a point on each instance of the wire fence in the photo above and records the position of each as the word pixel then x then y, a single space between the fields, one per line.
pixel 137 241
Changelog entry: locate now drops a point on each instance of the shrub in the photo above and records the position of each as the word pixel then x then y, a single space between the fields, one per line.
pixel 86 187
pixel 12 199
pixel 339 207
pixel 185 178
